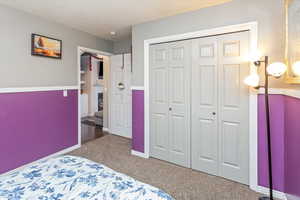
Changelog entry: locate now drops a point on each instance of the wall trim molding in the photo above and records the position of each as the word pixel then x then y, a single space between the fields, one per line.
pixel 282 91
pixel 139 154
pixel 277 194
pixel 59 153
pixel 137 87
pixel 37 89
pixel 252 27
pixel 292 197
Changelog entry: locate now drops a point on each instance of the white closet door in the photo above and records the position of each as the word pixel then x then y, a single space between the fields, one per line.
pixel 120 107
pixel 204 105
pixel 159 105
pixel 234 105
pixel 179 101
pixel 220 143
pixel 169 109
pixel 216 67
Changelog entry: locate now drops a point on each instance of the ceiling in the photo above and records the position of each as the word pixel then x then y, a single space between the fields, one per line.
pixel 100 17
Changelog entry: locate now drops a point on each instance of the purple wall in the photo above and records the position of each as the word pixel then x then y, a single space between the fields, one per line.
pixel 277 111
pixel 138 120
pixel 285 127
pixel 292 146
pixel 36 124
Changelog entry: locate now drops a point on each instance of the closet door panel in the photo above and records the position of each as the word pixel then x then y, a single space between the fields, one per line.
pixel 234 104
pixel 179 115
pixel 204 105
pixel 159 105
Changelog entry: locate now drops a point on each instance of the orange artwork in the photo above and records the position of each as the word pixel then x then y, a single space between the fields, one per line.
pixel 45 46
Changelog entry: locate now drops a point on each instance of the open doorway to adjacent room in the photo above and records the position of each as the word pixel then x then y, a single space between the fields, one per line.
pixel 94 93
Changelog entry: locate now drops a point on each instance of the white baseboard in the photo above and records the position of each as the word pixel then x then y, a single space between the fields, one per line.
pixel 292 197
pixel 265 191
pixel 139 154
pixel 72 148
pixel 118 133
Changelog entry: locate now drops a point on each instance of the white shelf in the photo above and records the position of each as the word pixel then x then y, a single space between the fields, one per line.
pixel 82 82
pixel 82 72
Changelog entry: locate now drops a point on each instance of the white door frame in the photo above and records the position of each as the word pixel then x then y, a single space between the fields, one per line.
pixel 252 27
pixel 79 50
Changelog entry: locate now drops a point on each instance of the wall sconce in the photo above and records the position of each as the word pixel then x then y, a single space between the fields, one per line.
pixel 276 70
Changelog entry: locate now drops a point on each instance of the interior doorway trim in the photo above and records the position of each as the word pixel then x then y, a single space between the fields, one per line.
pixel 252 27
pixel 79 50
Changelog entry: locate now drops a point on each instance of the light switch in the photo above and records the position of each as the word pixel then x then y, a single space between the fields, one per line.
pixel 65 93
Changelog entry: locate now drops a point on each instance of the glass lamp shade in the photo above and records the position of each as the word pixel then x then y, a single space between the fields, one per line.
pixel 296 68
pixel 276 69
pixel 252 80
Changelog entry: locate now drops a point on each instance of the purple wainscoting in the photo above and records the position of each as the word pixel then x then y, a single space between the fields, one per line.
pixel 36 124
pixel 292 146
pixel 277 111
pixel 138 120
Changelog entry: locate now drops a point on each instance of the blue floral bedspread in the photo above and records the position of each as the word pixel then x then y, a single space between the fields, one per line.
pixel 70 178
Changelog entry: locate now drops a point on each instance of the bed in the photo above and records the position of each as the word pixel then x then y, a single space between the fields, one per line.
pixel 70 178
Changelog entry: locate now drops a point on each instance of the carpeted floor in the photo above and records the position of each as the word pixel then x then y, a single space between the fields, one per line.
pixel 181 183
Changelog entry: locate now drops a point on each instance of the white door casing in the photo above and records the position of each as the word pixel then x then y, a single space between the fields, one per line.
pixel 169 120
pixel 121 103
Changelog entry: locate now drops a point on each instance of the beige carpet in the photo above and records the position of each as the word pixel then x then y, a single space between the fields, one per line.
pixel 181 183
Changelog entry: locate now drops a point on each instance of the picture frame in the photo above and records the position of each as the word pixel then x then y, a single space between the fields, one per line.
pixel 292 50
pixel 46 46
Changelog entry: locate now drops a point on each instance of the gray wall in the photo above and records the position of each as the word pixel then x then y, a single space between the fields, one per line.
pixel 19 69
pixel 268 13
pixel 122 46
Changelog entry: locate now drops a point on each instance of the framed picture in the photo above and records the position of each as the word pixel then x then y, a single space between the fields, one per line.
pixel 46 46
pixel 292 38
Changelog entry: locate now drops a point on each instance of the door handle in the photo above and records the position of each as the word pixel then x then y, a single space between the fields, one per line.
pixel 214 113
pixel 121 86
pixel 170 109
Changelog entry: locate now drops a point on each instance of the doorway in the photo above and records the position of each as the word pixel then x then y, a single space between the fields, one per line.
pixel 94 74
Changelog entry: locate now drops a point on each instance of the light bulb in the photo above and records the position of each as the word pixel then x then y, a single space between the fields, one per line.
pixel 276 69
pixel 252 80
pixel 296 68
